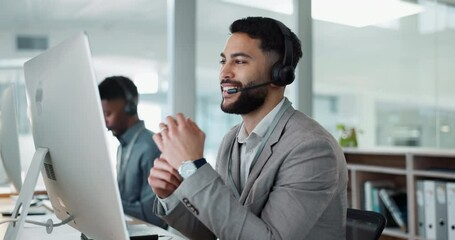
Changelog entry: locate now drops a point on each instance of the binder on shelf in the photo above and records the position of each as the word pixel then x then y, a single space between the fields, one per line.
pixel 371 193
pixel 395 201
pixel 430 208
pixel 420 209
pixel 450 191
pixel 375 199
pixel 441 210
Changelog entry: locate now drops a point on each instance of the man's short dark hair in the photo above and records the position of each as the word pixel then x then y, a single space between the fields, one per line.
pixel 269 33
pixel 114 88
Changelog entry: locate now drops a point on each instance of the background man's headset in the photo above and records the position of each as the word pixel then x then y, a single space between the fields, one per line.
pixel 131 105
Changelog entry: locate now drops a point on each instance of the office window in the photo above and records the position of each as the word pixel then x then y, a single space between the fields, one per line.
pixel 126 38
pixel 394 75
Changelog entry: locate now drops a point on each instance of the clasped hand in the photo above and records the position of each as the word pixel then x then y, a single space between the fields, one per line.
pixel 179 140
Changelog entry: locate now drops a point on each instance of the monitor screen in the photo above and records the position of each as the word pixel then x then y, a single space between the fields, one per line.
pixel 9 139
pixel 67 120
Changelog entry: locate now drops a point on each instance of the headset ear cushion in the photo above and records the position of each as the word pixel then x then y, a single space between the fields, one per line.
pixel 130 108
pixel 282 75
pixel 287 75
pixel 276 75
pixel 133 109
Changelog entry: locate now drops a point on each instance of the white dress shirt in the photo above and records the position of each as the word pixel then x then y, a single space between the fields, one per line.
pixel 250 143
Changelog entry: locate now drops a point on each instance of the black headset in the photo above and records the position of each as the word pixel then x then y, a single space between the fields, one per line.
pixel 131 105
pixel 283 72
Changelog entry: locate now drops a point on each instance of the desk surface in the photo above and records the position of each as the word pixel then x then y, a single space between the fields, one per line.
pixel 65 231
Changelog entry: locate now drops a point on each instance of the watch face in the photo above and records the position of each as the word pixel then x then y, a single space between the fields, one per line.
pixel 187 169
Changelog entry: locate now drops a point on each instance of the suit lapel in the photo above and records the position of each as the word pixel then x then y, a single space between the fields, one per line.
pixel 229 168
pixel 266 153
pixel 236 164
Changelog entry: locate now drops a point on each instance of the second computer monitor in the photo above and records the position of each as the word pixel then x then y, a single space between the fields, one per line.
pixel 9 138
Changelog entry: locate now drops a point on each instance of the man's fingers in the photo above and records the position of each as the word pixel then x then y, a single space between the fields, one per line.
pixel 171 123
pixel 163 170
pixel 181 121
pixel 163 128
pixel 192 124
pixel 165 177
pixel 158 139
pixel 161 188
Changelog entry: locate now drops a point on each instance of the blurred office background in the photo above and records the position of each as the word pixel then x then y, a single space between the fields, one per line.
pixel 383 67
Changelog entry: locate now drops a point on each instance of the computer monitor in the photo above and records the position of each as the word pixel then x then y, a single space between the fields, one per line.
pixel 71 142
pixel 9 139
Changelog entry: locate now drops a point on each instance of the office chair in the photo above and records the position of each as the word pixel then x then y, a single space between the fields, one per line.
pixel 364 225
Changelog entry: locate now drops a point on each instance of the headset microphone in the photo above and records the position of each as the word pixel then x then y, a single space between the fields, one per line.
pixel 236 90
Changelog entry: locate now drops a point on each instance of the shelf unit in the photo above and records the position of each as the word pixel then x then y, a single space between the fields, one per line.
pixel 404 166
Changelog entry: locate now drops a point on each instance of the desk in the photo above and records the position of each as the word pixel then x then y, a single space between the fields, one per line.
pixel 65 232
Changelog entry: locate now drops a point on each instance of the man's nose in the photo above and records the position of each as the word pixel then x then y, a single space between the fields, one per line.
pixel 226 72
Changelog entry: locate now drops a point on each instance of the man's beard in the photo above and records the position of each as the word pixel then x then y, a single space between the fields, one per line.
pixel 247 102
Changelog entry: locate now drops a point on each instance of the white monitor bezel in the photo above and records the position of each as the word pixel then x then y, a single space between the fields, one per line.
pixel 9 139
pixel 68 123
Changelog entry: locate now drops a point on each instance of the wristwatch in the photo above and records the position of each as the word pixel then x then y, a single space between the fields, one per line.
pixel 189 167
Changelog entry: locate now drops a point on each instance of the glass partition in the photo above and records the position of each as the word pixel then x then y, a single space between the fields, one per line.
pixel 126 38
pixel 390 80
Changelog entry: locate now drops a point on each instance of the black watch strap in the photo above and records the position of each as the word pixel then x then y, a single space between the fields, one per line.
pixel 199 163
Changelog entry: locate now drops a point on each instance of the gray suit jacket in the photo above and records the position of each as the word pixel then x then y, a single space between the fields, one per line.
pixel 296 189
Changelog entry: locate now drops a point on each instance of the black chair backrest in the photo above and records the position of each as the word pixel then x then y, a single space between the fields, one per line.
pixel 364 225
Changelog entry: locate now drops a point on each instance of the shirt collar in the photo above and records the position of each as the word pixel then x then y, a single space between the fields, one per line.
pixel 262 127
pixel 126 137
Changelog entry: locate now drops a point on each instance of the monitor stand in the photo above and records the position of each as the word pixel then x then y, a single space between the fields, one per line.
pixel 21 209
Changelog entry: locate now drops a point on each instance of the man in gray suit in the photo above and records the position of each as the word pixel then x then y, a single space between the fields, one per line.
pixel 279 174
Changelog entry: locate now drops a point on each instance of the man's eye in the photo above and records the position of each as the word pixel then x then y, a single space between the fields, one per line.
pixel 240 61
pixel 222 61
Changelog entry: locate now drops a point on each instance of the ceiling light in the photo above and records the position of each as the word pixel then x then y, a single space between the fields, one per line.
pixel 279 6
pixel 445 128
pixel 356 13
pixel 146 83
pixel 361 13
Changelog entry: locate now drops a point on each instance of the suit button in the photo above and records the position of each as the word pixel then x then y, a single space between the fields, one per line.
pixel 190 206
pixel 194 210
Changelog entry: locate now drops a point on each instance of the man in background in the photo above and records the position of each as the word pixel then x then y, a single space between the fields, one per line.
pixel 136 152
